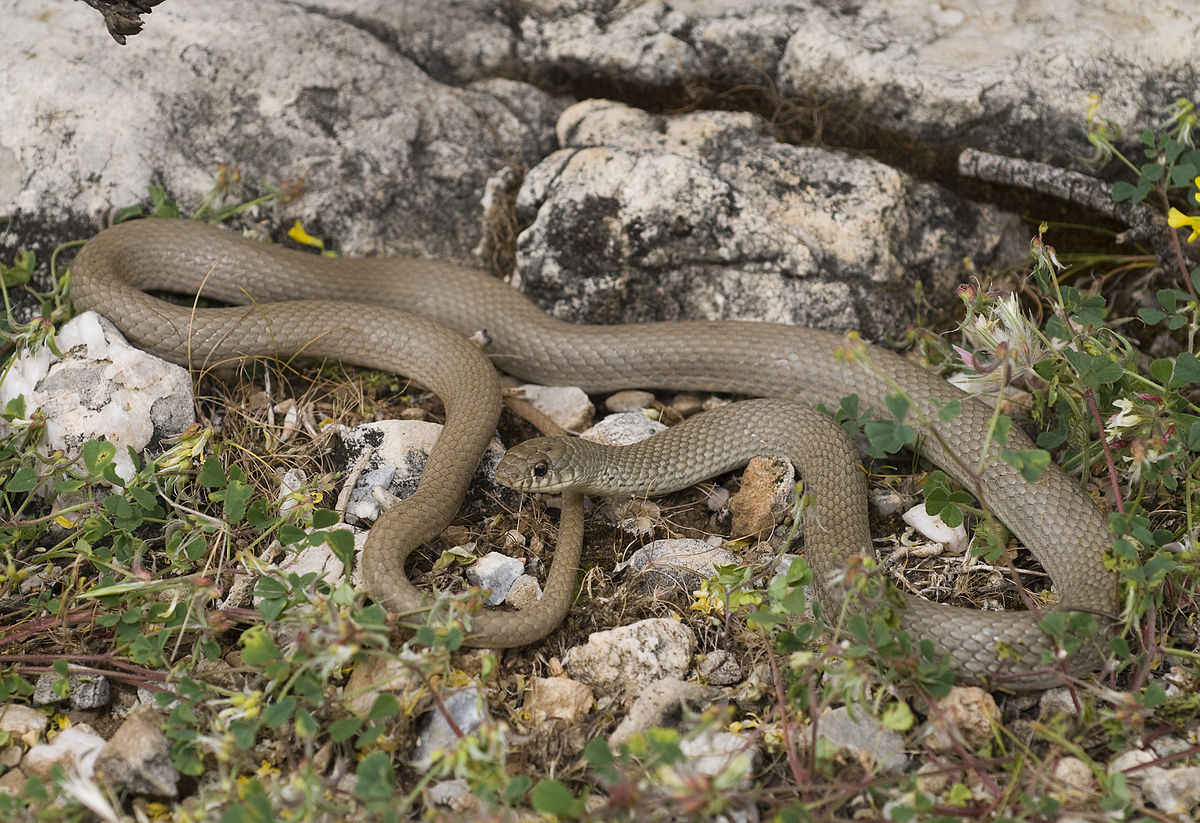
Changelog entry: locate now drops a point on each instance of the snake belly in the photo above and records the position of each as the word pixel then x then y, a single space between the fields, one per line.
pixel 1063 527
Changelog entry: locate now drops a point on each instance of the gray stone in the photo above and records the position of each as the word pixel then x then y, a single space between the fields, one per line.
pixel 496 572
pixel 721 668
pixel 731 756
pixel 465 707
pixel 138 756
pixel 558 697
pixel 401 448
pixel 77 746
pixel 84 691
pixel 880 749
pixel 318 92
pixel 568 406
pixel 524 592
pixel 1173 791
pixel 629 400
pixel 656 704
pixel 705 215
pixel 20 720
pixel 623 429
pixel 1006 77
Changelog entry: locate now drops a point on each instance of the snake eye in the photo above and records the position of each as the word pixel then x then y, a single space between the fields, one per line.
pixel 540 469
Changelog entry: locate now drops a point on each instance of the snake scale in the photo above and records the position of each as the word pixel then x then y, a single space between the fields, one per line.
pixel 436 305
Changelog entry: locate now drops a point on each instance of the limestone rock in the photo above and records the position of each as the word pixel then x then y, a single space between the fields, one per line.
pixel 558 697
pixel 102 388
pixel 400 450
pixel 620 662
pixel 138 756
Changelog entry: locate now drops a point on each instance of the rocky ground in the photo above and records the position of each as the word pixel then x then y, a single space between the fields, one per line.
pixel 179 635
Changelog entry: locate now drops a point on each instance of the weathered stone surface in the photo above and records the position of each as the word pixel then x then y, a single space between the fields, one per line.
pixel 568 406
pixel 1003 76
pixel 138 756
pixel 465 708
pixel 768 486
pixel 558 697
pixel 400 450
pixel 704 215
pixel 341 96
pixel 879 749
pixel 100 388
pixel 620 662
pixel 656 705
pixel 968 714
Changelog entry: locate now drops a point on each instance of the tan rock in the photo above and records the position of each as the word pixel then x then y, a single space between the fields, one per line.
pixel 558 697
pixel 967 714
pixel 138 756
pixel 766 493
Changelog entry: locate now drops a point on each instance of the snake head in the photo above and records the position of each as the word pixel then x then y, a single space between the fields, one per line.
pixel 544 464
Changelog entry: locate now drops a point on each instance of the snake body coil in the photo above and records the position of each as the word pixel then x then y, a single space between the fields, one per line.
pixel 1053 517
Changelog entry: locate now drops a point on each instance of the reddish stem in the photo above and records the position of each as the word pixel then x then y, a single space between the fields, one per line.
pixel 1108 458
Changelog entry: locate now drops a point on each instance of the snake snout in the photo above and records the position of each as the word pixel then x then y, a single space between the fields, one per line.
pixel 533 466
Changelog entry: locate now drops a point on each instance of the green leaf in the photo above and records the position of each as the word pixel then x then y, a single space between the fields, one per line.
pixel 342 730
pixel 324 518
pixel 253 806
pixel 257 647
pixel 277 714
pixel 551 797
pixel 1193 438
pixel 898 717
pixel 15 409
pixel 1093 370
pixel 949 410
pixel 898 405
pixel 1002 430
pixel 21 271
pixel 1031 463
pixel 598 754
pixel 97 456
pixel 1161 370
pixel 212 476
pixel 1152 172
pixel 1187 367
pixel 342 543
pixel 25 480
pixel 1182 174
pixel 385 706
pixel 1122 191
pixel 888 437
pixel 236 495
pixel 376 778
pixel 1151 317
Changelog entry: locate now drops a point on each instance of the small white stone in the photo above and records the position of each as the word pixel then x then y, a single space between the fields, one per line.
pixel 568 406
pixel 467 711
pixel 623 429
pixel 524 592
pixel 954 539
pixel 76 746
pixel 629 400
pixel 558 697
pixel 497 572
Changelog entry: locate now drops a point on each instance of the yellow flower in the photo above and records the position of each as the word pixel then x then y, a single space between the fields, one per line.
pixel 1177 219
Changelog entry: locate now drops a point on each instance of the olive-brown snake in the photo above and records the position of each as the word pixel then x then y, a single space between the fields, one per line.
pixel 426 341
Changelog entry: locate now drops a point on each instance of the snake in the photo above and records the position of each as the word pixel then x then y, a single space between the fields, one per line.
pixel 414 316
